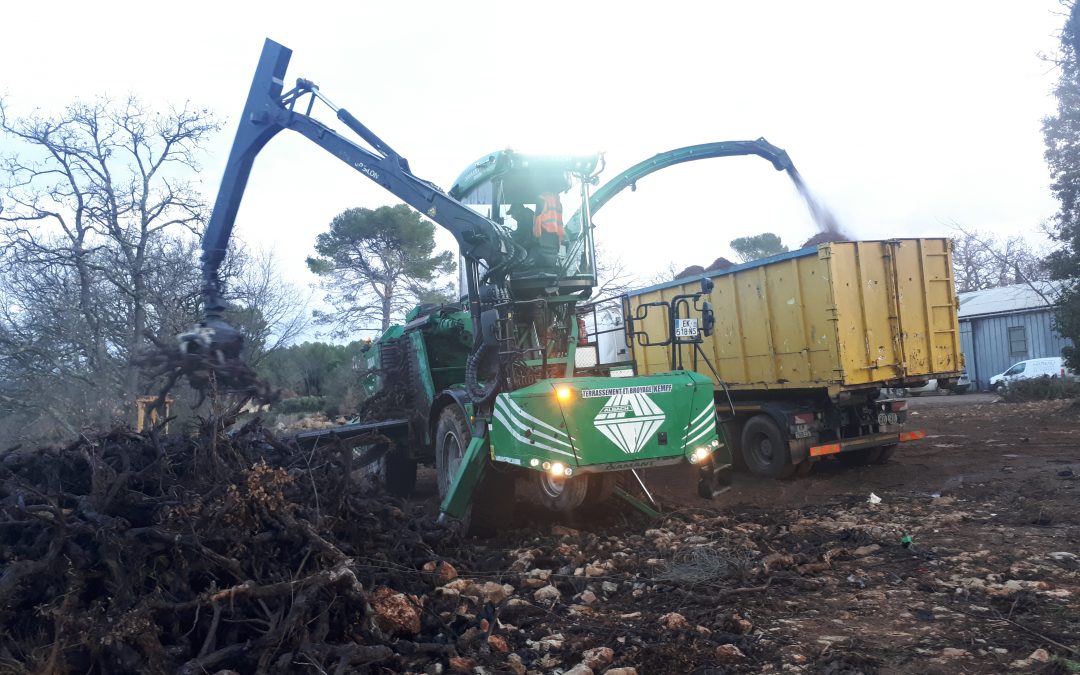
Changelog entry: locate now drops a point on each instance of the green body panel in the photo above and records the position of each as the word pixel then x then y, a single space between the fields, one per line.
pixel 605 424
pixel 468 477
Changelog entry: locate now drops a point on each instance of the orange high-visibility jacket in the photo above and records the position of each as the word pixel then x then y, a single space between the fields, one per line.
pixel 550 217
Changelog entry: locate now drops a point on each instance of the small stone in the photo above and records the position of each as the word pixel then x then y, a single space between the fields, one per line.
pixel 517 609
pixel 954 653
pixel 621 671
pixel 494 593
pixel 462 664
pixel 462 586
pixel 863 551
pixel 594 571
pixel 547 594
pixel 442 571
pixel 579 669
pixel 498 643
pixel 588 597
pixel 395 613
pixel 597 657
pixel 563 531
pixel 674 621
pixel 549 661
pixel 729 654
pixel 515 664
pixel 609 587
pixel 1039 656
pixel 740 625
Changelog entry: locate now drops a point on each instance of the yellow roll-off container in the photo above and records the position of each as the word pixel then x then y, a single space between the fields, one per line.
pixel 843 316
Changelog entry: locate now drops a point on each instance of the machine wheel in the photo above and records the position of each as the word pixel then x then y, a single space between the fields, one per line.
pixel 885 453
pixel 601 485
pixel 560 494
pixel 395 471
pixel 999 388
pixel 764 449
pixel 492 505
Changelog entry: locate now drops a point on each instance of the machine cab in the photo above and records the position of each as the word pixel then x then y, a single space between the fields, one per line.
pixel 532 196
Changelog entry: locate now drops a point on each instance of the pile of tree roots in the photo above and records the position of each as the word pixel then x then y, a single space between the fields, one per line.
pixel 134 553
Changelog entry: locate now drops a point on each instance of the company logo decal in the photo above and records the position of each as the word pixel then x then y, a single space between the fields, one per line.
pixel 629 419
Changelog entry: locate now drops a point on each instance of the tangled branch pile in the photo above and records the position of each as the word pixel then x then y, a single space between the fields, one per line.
pixel 131 553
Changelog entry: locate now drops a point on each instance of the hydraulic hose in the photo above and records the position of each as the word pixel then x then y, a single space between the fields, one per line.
pixel 482 357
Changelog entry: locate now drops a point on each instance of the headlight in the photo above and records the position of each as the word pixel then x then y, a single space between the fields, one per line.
pixel 700 455
pixel 563 393
pixel 557 469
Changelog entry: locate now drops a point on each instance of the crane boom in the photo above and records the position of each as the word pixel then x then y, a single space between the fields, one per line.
pixel 267 111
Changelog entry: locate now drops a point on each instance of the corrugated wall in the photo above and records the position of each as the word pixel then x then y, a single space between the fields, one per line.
pixel 985 342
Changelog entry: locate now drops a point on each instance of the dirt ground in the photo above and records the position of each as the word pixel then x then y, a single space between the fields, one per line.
pixel 808 576
pixel 128 553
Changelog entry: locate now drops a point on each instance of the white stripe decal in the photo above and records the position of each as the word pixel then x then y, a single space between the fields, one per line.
pixel 701 414
pixel 526 441
pixel 525 427
pixel 700 435
pixel 694 429
pixel 514 407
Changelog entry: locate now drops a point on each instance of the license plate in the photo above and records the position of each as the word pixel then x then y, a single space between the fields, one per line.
pixel 802 431
pixel 686 328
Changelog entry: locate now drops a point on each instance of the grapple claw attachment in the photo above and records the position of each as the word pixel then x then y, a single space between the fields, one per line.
pixel 212 338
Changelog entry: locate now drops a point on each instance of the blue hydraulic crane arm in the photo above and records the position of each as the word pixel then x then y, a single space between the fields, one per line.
pixel 269 111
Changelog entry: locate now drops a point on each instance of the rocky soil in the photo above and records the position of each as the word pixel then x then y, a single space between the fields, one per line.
pixel 130 553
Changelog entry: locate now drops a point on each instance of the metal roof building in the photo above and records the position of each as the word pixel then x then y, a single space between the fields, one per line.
pixel 1000 326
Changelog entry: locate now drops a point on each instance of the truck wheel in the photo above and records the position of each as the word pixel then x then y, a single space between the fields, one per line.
pixel 601 485
pixel 492 506
pixel 764 449
pixel 560 494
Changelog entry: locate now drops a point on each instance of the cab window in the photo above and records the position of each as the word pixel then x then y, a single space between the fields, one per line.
pixel 1016 370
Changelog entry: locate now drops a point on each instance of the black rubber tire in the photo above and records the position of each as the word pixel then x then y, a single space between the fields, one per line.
pixel 886 453
pixel 999 388
pixel 561 496
pixel 399 472
pixel 601 486
pixel 764 449
pixel 492 507
pixel 452 437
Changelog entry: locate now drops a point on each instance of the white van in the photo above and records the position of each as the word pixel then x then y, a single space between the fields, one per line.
pixel 1032 368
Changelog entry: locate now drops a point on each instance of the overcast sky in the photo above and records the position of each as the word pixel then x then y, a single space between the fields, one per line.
pixel 904 118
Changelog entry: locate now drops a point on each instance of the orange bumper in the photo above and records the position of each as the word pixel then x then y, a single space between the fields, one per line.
pixel 874 441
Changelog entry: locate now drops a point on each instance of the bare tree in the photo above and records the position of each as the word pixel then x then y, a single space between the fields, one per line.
pixel 90 190
pixel 271 312
pixel 100 217
pixel 982 260
pixel 612 276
